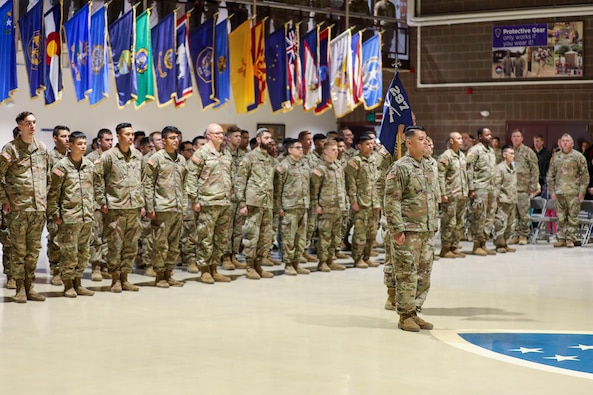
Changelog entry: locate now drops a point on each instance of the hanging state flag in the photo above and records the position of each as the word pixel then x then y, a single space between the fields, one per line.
pixel 78 33
pixel 241 69
pixel 32 39
pixel 396 112
pixel 372 75
pixel 53 47
pixel 293 65
pixel 99 62
pixel 182 69
pixel 357 85
pixel 310 57
pixel 276 71
pixel 121 38
pixel 201 41
pixel 341 74
pixel 326 101
pixel 164 59
pixel 8 76
pixel 259 65
pixel 222 76
pixel 143 61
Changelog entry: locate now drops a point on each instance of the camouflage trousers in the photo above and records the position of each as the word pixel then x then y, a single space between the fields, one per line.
pixel 521 219
pixel 483 211
pixel 452 220
pixel 98 247
pixel 346 226
pixel 5 240
pixel 365 232
pixel 412 266
pixel 503 222
pixel 211 234
pixel 187 246
pixel 74 241
pixel 121 231
pixel 293 228
pixel 388 270
pixel 567 209
pixel 311 225
pixel 145 247
pixel 236 221
pixel 165 234
pixel 53 250
pixel 257 232
pixel 25 228
pixel 330 229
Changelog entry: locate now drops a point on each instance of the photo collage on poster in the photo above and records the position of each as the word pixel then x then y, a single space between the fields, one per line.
pixel 553 50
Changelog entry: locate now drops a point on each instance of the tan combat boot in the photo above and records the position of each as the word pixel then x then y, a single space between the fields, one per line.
pixel 390 302
pixel 510 249
pixel 513 240
pixel 171 281
pixel 309 257
pixel 260 271
pixel 522 240
pixel 267 262
pixel 80 290
pixel 322 267
pixel 299 269
pixel 569 244
pixel 227 263
pixel 457 251
pixel 374 253
pixel 446 252
pixel 115 283
pixel 160 281
pixel 339 255
pixel 21 296
pixel 290 270
pixel 56 278
pixel 488 251
pixel 371 263
pixel 69 291
pixel 31 293
pixel 206 276
pixel 407 323
pixel 361 264
pixel 192 267
pixel 421 323
pixel 96 273
pixel 105 274
pixel 560 243
pixel 10 283
pixel 236 263
pixel 478 249
pixel 334 266
pixel 219 278
pixel 252 274
pixel 126 285
pixel 149 271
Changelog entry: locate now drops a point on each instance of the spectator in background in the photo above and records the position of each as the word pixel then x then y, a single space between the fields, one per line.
pixel 543 160
pixel 496 148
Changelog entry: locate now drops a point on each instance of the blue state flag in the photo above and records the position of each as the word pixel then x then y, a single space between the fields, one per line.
pixel 8 76
pixel 201 41
pixel 276 70
pixel 396 111
pixel 182 69
pixel 372 76
pixel 53 48
pixel 77 31
pixel 164 59
pixel 31 31
pixel 222 76
pixel 99 62
pixel 121 38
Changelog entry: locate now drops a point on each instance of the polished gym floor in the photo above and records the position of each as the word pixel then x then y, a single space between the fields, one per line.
pixel 325 333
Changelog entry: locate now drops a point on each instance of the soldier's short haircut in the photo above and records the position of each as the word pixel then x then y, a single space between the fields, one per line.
pixel 339 140
pixel 332 134
pixel 183 144
pixel 260 132
pixel 371 132
pixel 505 149
pixel 539 136
pixel 105 131
pixel 58 128
pixel 363 138
pixel 330 143
pixel 94 142
pixel 289 142
pixel 496 138
pixel 167 130
pixel 517 131
pixel 480 131
pixel 144 142
pixel 319 136
pixel 121 126
pixel 341 132
pixel 410 131
pixel 303 134
pixel 232 129
pixel 244 132
pixel 21 116
pixel 195 140
pixel 138 134
pixel 567 135
pixel 151 136
pixel 76 135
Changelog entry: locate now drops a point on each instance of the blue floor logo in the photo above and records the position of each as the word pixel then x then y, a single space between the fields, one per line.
pixel 557 350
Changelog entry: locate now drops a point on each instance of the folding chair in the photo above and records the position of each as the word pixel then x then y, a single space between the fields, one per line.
pixel 538 213
pixel 548 218
pixel 586 221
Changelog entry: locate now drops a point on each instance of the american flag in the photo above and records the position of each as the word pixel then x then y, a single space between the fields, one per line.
pixel 293 65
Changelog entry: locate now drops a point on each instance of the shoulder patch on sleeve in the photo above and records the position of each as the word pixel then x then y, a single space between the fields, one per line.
pixel 316 172
pixel 7 156
pixel 98 161
pixel 390 176
pixel 443 160
pixel 58 172
pixel 279 169
pixel 196 159
pixel 150 161
pixel 352 163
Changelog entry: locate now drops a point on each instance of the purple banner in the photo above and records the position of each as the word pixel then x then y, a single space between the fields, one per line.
pixel 519 36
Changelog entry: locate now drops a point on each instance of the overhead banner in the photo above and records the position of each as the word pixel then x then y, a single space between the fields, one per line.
pixel 552 50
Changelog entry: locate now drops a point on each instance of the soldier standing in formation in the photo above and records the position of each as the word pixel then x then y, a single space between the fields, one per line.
pixel 505 183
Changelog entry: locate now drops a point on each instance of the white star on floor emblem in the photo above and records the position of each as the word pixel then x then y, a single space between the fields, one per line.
pixel 525 350
pixel 582 347
pixel 562 358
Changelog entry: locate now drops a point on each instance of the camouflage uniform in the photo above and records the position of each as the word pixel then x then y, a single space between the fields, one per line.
pixel 254 189
pixel 327 192
pixel 118 186
pixel 236 220
pixel 410 207
pixel 361 180
pixel 527 169
pixel 98 247
pixel 5 240
pixel 313 159
pixel 25 170
pixel 145 241
pixel 505 184
pixel 291 196
pixel 165 196
pixel 386 9
pixel 71 198
pixel 208 183
pixel 53 250
pixel 453 184
pixel 567 179
pixel 480 177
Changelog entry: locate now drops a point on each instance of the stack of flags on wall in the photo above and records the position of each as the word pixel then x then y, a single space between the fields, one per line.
pixel 316 70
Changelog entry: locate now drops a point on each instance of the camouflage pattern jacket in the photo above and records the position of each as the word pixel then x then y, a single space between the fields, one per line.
pixel 328 187
pixel 208 180
pixel 480 168
pixel 255 182
pixel 71 193
pixel 291 185
pixel 163 183
pixel 505 183
pixel 527 169
pixel 568 174
pixel 453 173
pixel 361 181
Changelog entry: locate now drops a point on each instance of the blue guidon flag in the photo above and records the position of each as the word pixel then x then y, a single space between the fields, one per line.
pixel 566 353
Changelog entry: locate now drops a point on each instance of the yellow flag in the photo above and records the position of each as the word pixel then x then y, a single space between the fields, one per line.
pixel 241 64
